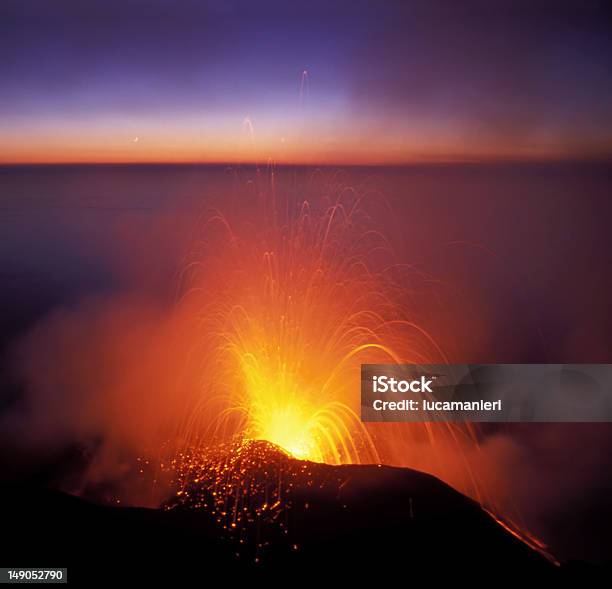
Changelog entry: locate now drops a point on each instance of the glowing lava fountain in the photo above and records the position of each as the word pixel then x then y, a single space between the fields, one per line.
pixel 292 295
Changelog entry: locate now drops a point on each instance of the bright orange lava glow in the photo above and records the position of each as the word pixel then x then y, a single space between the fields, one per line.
pixel 292 298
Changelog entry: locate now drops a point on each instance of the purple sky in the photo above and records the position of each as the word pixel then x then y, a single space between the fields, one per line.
pixel 161 80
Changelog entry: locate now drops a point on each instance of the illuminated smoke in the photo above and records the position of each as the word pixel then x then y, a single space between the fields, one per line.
pixel 291 296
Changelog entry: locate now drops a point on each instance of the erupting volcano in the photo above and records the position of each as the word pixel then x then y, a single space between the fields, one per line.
pixel 252 450
pixel 262 460
pixel 230 229
pixel 250 509
pixel 269 503
pixel 292 296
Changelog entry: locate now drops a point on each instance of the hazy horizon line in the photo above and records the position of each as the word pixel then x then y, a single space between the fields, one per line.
pixel 332 164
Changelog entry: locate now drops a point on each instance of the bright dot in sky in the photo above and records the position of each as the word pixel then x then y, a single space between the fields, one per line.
pixel 135 140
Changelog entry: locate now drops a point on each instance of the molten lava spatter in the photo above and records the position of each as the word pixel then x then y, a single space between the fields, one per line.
pixel 289 296
pixel 270 505
pixel 248 487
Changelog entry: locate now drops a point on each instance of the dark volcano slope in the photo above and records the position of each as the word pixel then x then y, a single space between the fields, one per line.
pixel 346 522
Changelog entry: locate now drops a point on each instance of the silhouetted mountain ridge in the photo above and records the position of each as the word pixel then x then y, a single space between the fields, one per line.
pixel 347 521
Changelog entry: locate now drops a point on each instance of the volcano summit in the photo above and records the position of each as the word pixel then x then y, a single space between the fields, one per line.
pixel 252 509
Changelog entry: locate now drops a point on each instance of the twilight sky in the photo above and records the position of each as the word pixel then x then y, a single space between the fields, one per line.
pixel 346 81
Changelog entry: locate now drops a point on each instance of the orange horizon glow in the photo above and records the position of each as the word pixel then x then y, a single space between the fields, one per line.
pixel 169 157
pixel 183 141
pixel 363 86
